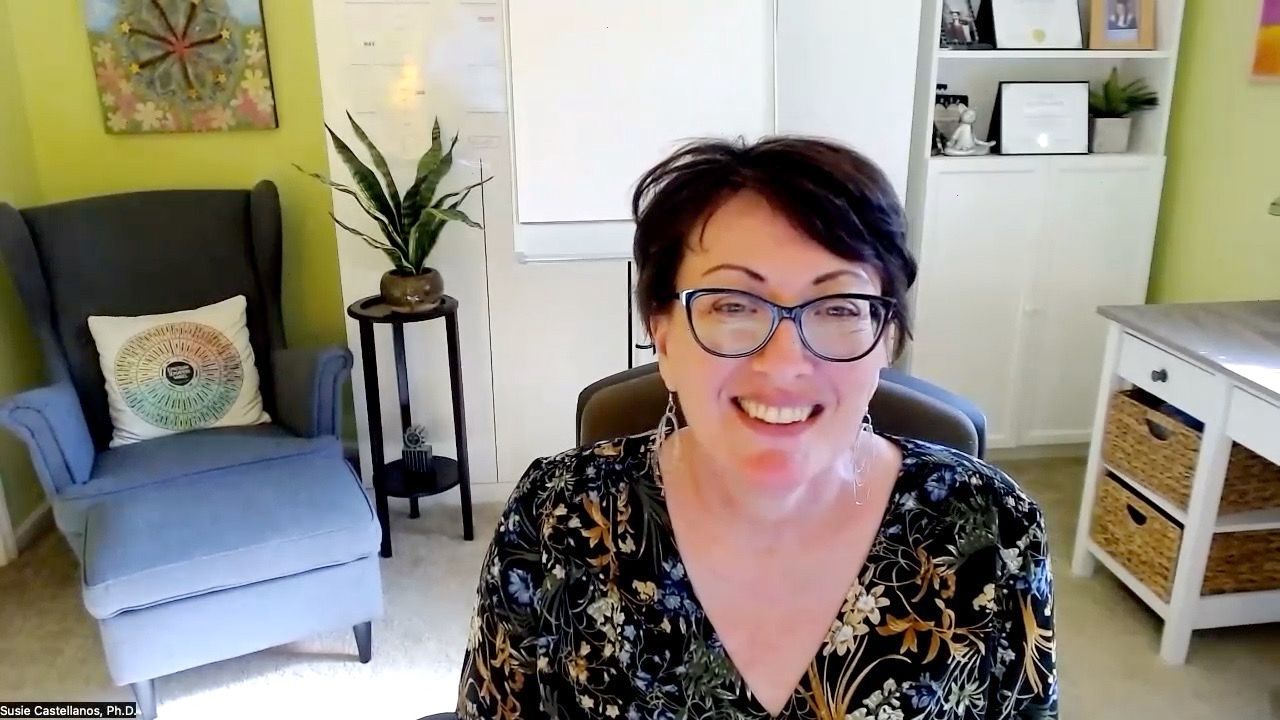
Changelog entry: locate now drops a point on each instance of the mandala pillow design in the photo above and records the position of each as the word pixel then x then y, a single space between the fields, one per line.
pixel 177 372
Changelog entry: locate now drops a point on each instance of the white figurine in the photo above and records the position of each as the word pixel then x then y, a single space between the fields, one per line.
pixel 962 141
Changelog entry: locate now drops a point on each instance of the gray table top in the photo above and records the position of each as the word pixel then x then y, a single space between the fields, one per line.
pixel 1238 339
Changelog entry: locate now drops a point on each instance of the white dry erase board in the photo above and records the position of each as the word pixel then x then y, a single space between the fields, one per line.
pixel 601 90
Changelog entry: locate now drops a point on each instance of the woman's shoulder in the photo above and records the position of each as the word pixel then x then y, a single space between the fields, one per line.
pixel 598 471
pixel 943 476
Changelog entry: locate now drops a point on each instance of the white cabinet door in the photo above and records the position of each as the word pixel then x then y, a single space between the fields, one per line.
pixel 982 225
pixel 559 328
pixel 1099 228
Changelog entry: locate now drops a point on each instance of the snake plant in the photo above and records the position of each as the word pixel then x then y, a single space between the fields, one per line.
pixel 410 224
pixel 1119 101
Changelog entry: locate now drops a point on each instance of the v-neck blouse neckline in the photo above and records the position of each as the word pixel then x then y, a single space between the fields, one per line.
pixel 851 593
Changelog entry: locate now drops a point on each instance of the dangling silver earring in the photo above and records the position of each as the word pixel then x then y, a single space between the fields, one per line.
pixel 669 421
pixel 860 459
pixel 666 426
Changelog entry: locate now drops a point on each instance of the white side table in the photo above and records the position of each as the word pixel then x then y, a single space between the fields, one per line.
pixel 1221 363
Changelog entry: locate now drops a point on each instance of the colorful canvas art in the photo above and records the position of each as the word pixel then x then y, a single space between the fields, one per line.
pixel 166 66
pixel 1266 62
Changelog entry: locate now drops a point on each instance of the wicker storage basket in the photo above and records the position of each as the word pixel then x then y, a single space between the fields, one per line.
pixel 1136 534
pixel 1146 543
pixel 1159 451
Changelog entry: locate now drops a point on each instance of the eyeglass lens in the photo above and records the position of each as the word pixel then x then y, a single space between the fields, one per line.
pixel 736 323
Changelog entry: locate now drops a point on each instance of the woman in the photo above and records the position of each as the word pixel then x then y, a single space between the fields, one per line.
pixel 1122 18
pixel 775 557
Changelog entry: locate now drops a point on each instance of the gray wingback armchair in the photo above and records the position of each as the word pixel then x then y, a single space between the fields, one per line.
pixel 204 545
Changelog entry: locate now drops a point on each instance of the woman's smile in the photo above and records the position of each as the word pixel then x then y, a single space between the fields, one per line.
pixel 776 419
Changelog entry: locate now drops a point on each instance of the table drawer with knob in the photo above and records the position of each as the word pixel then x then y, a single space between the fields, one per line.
pixel 1167 376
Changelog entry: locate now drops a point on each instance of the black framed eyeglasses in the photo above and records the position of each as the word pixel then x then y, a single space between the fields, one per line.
pixel 735 323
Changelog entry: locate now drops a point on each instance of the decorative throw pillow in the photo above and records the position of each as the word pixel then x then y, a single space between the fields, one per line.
pixel 179 371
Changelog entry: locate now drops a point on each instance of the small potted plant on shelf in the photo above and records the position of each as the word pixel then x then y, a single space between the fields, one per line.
pixel 410 225
pixel 1112 108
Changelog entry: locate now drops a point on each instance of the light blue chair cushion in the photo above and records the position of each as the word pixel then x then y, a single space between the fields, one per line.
pixel 220 529
pixel 176 457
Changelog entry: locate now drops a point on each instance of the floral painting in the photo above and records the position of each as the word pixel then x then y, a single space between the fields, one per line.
pixel 1266 62
pixel 166 66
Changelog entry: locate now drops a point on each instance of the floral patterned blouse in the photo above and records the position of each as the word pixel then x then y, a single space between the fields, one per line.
pixel 585 610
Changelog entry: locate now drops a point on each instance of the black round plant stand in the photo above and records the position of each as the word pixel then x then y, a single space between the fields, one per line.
pixel 394 479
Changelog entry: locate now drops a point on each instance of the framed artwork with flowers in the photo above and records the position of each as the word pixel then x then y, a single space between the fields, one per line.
pixel 1266 59
pixel 171 66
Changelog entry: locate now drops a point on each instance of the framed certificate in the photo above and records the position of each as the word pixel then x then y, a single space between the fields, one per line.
pixel 1036 24
pixel 1042 118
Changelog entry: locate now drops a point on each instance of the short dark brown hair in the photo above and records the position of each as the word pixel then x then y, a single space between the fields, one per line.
pixel 831 193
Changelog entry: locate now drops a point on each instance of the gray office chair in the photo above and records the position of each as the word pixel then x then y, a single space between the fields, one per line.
pixel 632 402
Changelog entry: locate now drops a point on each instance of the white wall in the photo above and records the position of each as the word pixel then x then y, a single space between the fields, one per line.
pixel 533 335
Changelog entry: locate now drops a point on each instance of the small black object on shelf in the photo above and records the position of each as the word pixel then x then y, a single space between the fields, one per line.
pixel 416 451
pixel 412 477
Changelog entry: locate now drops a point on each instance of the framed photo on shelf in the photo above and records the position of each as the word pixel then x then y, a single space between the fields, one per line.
pixel 960 26
pixel 1122 25
pixel 1042 118
pixel 1033 24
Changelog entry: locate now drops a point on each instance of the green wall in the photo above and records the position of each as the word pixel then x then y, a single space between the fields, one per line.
pixel 75 156
pixel 1216 240
pixel 19 367
pixel 17 169
pixel 71 155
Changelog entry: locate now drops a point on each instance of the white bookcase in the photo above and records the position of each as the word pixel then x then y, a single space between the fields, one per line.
pixel 1017 252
